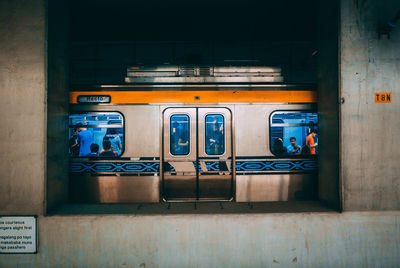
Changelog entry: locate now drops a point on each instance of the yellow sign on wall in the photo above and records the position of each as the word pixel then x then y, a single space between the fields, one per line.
pixel 383 97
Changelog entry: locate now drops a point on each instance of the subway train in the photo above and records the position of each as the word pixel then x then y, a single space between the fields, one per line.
pixel 194 134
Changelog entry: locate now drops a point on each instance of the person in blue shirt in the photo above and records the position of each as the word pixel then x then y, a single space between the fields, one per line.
pixel 293 148
pixel 85 139
pixel 115 140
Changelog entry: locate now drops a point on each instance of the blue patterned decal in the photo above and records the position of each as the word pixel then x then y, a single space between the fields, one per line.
pixel 154 167
pixel 197 166
pixel 217 166
pixel 96 167
pixel 286 165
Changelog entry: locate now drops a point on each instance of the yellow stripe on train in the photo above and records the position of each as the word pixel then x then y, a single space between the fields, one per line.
pixel 232 96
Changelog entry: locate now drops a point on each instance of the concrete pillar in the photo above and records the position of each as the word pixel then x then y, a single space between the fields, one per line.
pixel 22 106
pixel 370 144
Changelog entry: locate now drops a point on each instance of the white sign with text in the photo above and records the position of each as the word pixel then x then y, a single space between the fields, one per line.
pixel 18 234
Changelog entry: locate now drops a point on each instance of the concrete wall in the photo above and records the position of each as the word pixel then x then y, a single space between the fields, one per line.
pixel 368 239
pixel 369 131
pixel 22 106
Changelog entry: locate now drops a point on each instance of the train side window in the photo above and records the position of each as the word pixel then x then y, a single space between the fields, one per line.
pixel 294 133
pixel 179 134
pixel 215 134
pixel 96 134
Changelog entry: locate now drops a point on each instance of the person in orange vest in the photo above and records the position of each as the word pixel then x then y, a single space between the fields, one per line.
pixel 310 141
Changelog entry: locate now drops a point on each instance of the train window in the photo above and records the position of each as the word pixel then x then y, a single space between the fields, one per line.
pixel 179 134
pixel 96 134
pixel 294 133
pixel 214 136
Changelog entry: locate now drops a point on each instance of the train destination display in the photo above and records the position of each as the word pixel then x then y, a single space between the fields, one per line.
pixel 18 234
pixel 94 99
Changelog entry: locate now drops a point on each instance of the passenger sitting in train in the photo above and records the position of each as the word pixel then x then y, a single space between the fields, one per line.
pixel 310 141
pixel 94 150
pixel 85 139
pixel 115 140
pixel 305 150
pixel 293 148
pixel 180 139
pixel 278 147
pixel 107 149
pixel 73 144
pixel 215 142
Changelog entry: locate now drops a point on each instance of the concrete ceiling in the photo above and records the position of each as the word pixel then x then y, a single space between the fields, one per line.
pixel 180 20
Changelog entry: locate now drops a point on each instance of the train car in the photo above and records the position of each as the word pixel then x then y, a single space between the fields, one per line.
pixel 178 134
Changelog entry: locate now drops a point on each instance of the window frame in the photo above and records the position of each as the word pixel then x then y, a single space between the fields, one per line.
pixel 205 135
pixel 170 136
pixel 270 126
pixel 123 138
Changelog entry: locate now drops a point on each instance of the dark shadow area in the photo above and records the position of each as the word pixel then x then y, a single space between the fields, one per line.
pixel 107 37
pixel 179 20
pixel 328 103
pixel 193 208
pixel 57 104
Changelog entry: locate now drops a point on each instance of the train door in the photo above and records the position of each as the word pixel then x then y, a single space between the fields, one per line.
pixel 197 154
